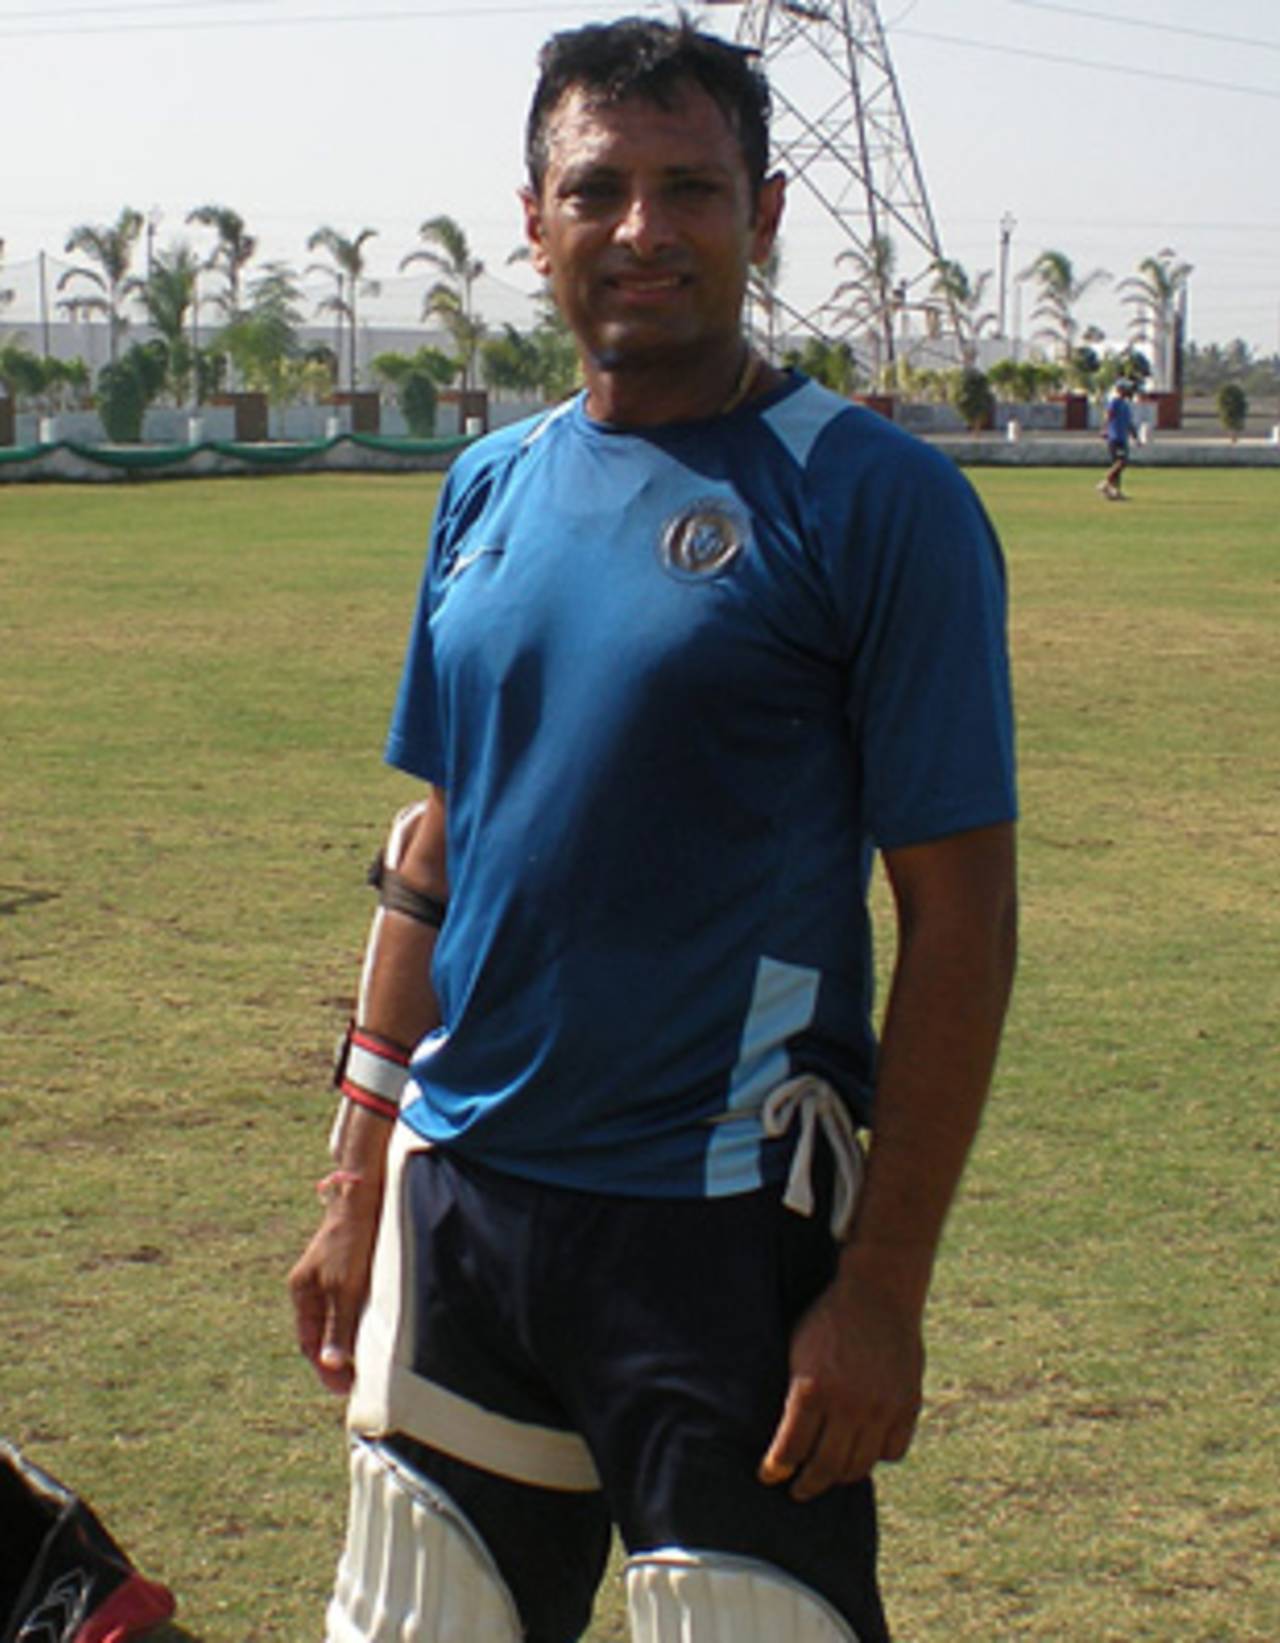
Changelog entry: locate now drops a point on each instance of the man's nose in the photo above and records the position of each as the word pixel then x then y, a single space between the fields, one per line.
pixel 645 225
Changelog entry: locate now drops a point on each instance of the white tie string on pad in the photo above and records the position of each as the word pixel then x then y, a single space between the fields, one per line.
pixel 817 1103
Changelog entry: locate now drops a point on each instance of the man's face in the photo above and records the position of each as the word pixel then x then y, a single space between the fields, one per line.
pixel 646 227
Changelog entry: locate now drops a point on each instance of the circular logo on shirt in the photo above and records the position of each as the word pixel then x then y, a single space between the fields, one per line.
pixel 703 539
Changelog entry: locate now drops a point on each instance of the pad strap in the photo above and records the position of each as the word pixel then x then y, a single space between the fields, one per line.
pixel 371 1071
pixel 399 896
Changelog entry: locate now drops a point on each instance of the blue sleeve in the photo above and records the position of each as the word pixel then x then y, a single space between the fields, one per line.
pixel 920 587
pixel 415 741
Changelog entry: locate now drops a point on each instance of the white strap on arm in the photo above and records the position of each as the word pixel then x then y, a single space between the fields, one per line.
pixel 818 1105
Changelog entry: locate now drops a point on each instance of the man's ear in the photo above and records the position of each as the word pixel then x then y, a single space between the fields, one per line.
pixel 768 216
pixel 532 208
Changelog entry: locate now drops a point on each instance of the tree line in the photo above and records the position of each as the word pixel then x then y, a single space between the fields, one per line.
pixel 256 341
pixel 876 309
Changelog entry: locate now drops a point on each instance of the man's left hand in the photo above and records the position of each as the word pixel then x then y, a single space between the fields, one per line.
pixel 857 1376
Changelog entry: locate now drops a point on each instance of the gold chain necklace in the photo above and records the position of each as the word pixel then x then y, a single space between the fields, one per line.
pixel 751 364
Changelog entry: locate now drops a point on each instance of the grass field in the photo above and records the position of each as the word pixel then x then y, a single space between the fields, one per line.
pixel 195 680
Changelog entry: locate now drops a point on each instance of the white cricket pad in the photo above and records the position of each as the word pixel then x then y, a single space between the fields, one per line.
pixel 413 1569
pixel 675 1596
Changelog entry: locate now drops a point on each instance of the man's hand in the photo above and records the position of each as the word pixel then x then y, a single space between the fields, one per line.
pixel 857 1374
pixel 329 1284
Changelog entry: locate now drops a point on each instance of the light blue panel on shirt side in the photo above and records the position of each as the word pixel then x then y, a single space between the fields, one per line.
pixel 782 1003
pixel 800 418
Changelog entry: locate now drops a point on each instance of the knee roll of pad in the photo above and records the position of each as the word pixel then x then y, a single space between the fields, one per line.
pixel 674 1596
pixel 413 1569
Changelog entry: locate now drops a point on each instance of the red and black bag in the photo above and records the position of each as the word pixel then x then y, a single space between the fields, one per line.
pixel 63 1579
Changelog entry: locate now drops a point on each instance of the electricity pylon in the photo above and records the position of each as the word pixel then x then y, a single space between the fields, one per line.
pixel 840 133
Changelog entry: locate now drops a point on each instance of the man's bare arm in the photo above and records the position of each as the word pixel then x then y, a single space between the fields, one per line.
pixel 331 1279
pixel 857 1357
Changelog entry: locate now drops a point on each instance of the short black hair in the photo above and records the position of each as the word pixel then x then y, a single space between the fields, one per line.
pixel 640 57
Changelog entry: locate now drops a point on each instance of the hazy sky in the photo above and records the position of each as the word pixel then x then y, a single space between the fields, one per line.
pixel 1105 130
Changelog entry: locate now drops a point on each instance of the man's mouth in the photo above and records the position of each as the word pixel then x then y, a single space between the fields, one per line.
pixel 646 287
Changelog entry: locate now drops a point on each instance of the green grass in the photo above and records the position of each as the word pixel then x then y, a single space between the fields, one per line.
pixel 196 679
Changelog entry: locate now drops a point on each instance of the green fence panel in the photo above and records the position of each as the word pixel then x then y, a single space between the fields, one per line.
pixel 409 447
pixel 154 458
pixel 269 456
pixel 141 457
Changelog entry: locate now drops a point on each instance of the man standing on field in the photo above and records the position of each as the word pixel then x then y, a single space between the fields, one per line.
pixel 689 650
pixel 1118 433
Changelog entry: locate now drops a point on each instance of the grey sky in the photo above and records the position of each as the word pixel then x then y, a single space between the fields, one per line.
pixel 1108 139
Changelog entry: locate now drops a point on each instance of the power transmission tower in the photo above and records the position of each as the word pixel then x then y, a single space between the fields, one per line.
pixel 840 133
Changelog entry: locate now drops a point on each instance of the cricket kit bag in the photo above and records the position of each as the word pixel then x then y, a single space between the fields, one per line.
pixel 63 1579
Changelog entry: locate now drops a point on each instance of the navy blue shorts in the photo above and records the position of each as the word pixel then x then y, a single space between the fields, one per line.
pixel 1118 450
pixel 658 1330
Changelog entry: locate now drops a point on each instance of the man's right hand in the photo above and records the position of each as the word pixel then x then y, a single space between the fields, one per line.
pixel 329 1284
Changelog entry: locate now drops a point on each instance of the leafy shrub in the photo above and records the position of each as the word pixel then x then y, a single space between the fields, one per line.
pixel 21 372
pixel 1233 408
pixel 418 397
pixel 126 388
pixel 973 398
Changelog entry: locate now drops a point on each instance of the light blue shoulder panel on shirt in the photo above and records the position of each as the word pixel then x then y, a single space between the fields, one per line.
pixel 544 422
pixel 800 418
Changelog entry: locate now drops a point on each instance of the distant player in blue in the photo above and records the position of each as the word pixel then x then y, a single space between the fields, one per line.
pixel 1119 432
pixel 690 650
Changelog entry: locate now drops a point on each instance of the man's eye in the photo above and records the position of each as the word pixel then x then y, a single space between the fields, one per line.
pixel 593 192
pixel 694 191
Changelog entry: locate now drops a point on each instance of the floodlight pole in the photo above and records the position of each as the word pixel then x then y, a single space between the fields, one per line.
pixel 45 334
pixel 1007 225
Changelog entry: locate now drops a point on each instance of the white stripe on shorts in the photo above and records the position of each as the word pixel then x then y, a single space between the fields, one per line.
pixel 388 1397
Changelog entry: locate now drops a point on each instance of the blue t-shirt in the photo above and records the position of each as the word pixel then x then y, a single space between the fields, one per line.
pixel 1120 420
pixel 678 683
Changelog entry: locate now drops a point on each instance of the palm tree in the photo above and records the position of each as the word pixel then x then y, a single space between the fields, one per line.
pixel 466 331
pixel 446 249
pixel 558 369
pixel 274 298
pixel 66 383
pixel 22 373
pixel 229 257
pixel 830 363
pixel 868 300
pixel 347 256
pixel 168 294
pixel 1155 293
pixel 963 296
pixel 111 247
pixel 263 342
pixel 1060 290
